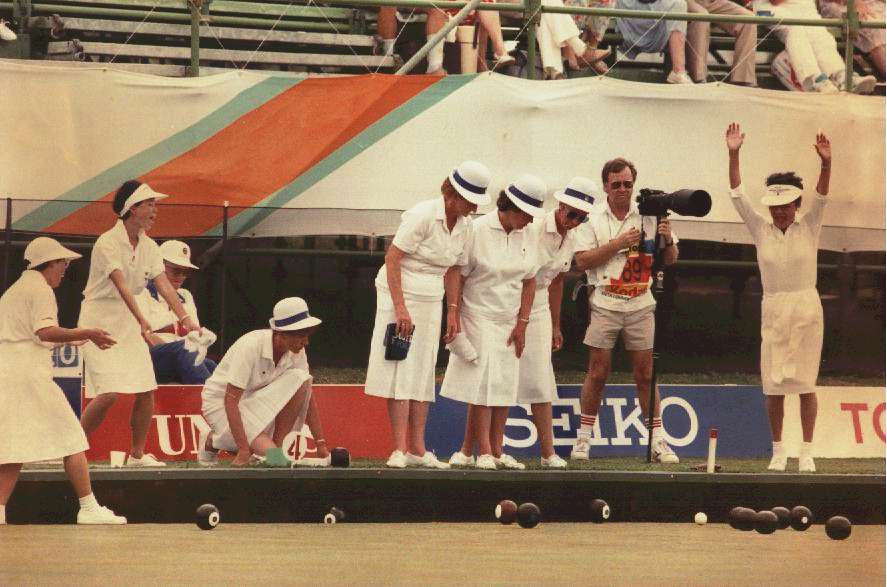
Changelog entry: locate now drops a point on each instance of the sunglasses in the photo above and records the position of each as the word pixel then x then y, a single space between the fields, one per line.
pixel 582 217
pixel 619 184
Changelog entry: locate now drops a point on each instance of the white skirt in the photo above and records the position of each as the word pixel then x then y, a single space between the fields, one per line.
pixel 258 409
pixel 413 377
pixel 791 342
pixel 492 379
pixel 536 382
pixel 36 421
pixel 125 367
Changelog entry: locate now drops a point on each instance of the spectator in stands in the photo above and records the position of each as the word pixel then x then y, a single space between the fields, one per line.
pixel 261 391
pixel 654 36
pixel 812 50
pixel 493 301
pixel 557 31
pixel 124 261
pixel 621 253
pixel 36 421
pixel 791 311
pixel 592 31
pixel 869 41
pixel 699 34
pixel 174 359
pixel 557 242
pixel 409 287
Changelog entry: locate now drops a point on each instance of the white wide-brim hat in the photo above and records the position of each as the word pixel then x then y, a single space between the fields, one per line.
pixel 142 193
pixel 580 194
pixel 780 194
pixel 44 249
pixel 527 192
pixel 292 314
pixel 471 179
pixel 177 253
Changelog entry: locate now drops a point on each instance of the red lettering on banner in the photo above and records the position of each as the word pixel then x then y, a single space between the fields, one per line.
pixel 854 410
pixel 876 421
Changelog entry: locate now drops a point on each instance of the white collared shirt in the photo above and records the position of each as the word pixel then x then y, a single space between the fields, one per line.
pixel 555 255
pixel 787 260
pixel 496 263
pixel 623 282
pixel 159 315
pixel 249 365
pixel 27 306
pixel 430 249
pixel 113 251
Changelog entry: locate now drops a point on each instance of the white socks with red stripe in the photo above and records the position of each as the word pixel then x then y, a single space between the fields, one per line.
pixel 586 424
pixel 656 430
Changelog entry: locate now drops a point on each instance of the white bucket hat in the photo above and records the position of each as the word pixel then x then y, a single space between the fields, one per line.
pixel 471 180
pixel 177 253
pixel 43 249
pixel 779 195
pixel 142 193
pixel 527 192
pixel 292 314
pixel 580 194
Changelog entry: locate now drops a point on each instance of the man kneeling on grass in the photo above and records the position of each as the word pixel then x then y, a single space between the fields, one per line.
pixel 261 391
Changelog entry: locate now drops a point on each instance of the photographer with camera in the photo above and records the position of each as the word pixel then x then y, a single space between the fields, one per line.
pixel 620 261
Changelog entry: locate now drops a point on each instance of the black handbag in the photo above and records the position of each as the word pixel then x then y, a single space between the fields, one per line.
pixel 396 347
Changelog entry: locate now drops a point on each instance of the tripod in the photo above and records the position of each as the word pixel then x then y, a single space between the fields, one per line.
pixel 657 271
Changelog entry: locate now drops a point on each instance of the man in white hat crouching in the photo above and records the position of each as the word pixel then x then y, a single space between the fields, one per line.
pixel 261 390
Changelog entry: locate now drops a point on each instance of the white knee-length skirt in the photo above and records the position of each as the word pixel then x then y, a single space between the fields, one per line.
pixel 536 383
pixel 791 342
pixel 413 377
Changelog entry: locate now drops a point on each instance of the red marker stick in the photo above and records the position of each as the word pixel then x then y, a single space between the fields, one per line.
pixel 712 449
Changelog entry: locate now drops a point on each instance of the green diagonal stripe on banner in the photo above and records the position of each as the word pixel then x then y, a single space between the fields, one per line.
pixel 374 133
pixel 152 157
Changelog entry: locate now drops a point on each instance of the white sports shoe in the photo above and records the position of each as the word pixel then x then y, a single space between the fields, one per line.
pixel 147 460
pixel 509 462
pixel 428 461
pixel 806 465
pixel 554 462
pixel 486 462
pixel 581 448
pixel 824 85
pixel 778 462
pixel 207 458
pixel 678 78
pixel 6 33
pixel 100 515
pixel 459 459
pixel 863 84
pixel 313 461
pixel 663 453
pixel 397 460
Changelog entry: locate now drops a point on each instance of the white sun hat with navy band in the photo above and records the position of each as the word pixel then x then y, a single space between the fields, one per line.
pixel 580 194
pixel 292 314
pixel 471 180
pixel 779 195
pixel 527 192
pixel 142 193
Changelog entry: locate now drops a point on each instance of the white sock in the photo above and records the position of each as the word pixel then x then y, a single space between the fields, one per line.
pixel 435 57
pixel 777 448
pixel 806 449
pixel 577 45
pixel 387 47
pixel 88 502
pixel 2 514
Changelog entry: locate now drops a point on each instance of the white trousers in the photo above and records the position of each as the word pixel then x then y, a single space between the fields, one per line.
pixel 812 50
pixel 556 31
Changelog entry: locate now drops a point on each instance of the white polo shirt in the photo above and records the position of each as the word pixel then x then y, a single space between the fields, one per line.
pixel 495 264
pixel 27 306
pixel 623 282
pixel 249 365
pixel 430 249
pixel 787 260
pixel 555 255
pixel 162 319
pixel 112 251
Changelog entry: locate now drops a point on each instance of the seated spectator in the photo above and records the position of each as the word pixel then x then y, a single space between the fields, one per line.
pixel 173 358
pixel 869 41
pixel 812 51
pixel 699 34
pixel 592 31
pixel 557 31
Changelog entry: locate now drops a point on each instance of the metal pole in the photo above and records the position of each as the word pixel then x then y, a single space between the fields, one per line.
pixel 531 17
pixel 7 248
pixel 437 37
pixel 224 280
pixel 194 70
pixel 851 25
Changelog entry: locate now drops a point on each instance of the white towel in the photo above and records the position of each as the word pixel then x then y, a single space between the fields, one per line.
pixel 199 341
pixel 462 348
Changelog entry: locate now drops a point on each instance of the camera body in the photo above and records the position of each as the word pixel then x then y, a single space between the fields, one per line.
pixel 683 202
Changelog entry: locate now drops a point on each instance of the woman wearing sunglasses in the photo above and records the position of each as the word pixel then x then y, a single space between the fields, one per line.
pixel 557 243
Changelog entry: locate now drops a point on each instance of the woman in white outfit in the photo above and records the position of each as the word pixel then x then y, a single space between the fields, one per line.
pixel 36 422
pixel 557 31
pixel 791 312
pixel 124 260
pixel 557 243
pixel 409 290
pixel 493 301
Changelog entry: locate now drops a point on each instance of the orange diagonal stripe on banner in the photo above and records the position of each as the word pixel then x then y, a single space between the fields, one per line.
pixel 261 152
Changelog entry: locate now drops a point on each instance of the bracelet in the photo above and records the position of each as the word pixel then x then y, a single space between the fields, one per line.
pixel 320 441
pixel 452 305
pixel 527 320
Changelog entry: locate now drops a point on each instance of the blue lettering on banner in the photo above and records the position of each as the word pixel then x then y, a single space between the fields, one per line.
pixel 65 356
pixel 688 412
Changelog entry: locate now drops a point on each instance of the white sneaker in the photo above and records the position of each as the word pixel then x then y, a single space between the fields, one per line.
pixel 147 460
pixel 678 78
pixel 778 462
pixel 805 464
pixel 6 33
pixel 313 461
pixel 428 461
pixel 581 448
pixel 554 462
pixel 207 458
pixel 824 85
pixel 397 460
pixel 100 515
pixel 863 84
pixel 486 462
pixel 663 453
pixel 459 459
pixel 509 462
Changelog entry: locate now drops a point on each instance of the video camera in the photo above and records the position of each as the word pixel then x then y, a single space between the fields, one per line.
pixel 683 202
